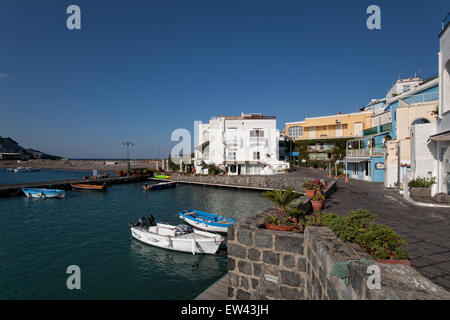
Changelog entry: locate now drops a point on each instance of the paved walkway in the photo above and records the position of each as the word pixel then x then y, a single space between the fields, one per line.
pixel 427 230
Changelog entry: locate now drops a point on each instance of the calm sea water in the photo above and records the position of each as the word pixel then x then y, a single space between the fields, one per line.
pixel 7 177
pixel 41 238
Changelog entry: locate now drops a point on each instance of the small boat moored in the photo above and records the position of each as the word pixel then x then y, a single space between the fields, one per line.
pixel 158 186
pixel 206 221
pixel 43 193
pixel 85 186
pixel 179 238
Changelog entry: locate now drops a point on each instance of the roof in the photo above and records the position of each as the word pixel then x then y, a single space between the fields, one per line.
pixel 442 136
pixel 445 24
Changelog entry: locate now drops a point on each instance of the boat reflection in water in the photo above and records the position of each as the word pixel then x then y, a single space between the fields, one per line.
pixel 178 264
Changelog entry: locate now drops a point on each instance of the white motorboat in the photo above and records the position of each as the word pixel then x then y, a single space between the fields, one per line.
pixel 179 238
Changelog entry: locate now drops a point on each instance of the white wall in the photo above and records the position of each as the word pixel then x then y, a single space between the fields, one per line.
pixel 423 162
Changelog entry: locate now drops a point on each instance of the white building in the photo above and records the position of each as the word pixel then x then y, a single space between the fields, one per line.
pixel 245 144
pixel 430 152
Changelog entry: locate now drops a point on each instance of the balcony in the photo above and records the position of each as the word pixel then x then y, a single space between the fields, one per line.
pixel 422 98
pixel 386 127
pixel 321 148
pixel 369 152
pixel 373 130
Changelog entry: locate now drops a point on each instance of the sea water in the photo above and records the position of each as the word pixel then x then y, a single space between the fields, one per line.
pixel 41 238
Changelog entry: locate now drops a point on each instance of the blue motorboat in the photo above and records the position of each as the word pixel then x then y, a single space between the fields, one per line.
pixel 206 221
pixel 43 193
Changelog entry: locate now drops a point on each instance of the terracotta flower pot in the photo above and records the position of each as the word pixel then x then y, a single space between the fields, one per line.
pixel 317 205
pixel 395 261
pixel 278 228
pixel 310 193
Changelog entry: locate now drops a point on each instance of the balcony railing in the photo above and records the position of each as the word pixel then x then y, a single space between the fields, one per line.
pixel 386 127
pixel 370 131
pixel 365 152
pixel 421 98
pixel 322 148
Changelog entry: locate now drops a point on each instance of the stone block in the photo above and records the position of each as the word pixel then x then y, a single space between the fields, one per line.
pixel 257 269
pixel 242 295
pixel 231 264
pixel 263 239
pixel 245 267
pixel 271 258
pixel 288 261
pixel 237 251
pixel 290 278
pixel 292 244
pixel 301 264
pixel 291 293
pixel 254 255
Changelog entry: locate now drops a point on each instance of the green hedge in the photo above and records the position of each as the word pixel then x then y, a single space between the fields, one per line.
pixel 358 226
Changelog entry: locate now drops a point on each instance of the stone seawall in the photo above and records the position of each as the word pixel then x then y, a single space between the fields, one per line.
pixel 266 264
pixel 279 181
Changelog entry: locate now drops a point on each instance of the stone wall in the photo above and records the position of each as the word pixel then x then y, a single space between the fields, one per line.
pixel 278 181
pixel 266 264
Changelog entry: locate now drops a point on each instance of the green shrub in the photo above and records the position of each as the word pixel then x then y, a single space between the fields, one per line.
pixel 358 227
pixel 422 182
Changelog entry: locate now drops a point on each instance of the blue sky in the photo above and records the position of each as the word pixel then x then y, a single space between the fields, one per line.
pixel 137 70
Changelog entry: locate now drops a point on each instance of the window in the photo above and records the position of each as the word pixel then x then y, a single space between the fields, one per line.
pixel 295 132
pixel 231 155
pixel 256 155
pixel 257 133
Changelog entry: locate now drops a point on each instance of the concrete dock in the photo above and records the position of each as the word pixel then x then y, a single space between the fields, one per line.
pixel 9 190
pixel 218 291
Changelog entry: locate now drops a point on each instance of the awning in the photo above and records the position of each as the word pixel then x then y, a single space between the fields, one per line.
pixel 200 146
pixel 443 136
pixel 356 160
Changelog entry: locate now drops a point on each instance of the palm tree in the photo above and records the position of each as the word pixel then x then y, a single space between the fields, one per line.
pixel 281 198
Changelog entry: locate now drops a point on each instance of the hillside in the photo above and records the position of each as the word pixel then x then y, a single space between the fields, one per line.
pixel 8 145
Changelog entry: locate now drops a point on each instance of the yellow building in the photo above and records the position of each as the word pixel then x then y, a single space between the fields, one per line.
pixel 336 126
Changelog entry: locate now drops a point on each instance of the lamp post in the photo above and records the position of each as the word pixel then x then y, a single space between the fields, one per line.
pixel 128 144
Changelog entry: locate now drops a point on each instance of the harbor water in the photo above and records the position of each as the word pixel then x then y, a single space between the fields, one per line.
pixel 8 177
pixel 41 238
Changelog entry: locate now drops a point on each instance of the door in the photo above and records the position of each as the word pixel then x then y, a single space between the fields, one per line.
pixel 312 132
pixel 339 131
pixel 358 129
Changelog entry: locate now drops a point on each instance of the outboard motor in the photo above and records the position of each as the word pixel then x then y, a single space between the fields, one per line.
pixel 151 221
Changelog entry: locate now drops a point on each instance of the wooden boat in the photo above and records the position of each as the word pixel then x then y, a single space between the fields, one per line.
pixel 84 186
pixel 161 185
pixel 43 193
pixel 162 176
pixel 179 238
pixel 206 221
pixel 22 169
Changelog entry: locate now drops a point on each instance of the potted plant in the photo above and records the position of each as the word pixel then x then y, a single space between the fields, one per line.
pixel 309 187
pixel 281 219
pixel 317 201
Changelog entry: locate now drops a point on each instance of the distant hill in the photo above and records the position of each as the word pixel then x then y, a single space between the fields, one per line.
pixel 8 145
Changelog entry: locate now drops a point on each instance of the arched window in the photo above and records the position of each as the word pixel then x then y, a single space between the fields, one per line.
pixel 420 121
pixel 295 132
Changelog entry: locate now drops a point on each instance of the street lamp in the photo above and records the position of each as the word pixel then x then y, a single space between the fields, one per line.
pixel 128 144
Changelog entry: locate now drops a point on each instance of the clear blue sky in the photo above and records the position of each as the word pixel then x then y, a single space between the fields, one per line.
pixel 137 70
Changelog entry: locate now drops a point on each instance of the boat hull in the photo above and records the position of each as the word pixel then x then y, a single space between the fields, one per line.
pixel 44 193
pixel 204 226
pixel 199 246
pixel 207 221
pixel 159 186
pixel 88 187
